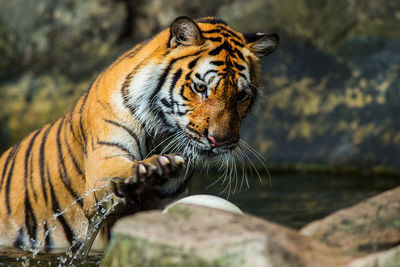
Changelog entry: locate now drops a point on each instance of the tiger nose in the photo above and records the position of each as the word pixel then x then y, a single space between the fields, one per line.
pixel 215 142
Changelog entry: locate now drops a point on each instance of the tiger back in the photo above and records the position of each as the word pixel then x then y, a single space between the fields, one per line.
pixel 166 105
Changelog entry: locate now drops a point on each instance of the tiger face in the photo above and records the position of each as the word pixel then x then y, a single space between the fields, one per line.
pixel 210 84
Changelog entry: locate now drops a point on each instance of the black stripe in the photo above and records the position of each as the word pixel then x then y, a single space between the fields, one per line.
pixel 19 242
pixel 9 157
pixel 61 162
pixel 117 145
pixel 125 87
pixel 28 155
pixel 163 77
pixel 187 77
pixel 81 111
pixel 165 102
pixel 251 68
pixel 217 62
pixel 161 82
pixel 211 21
pixel 242 75
pixel 181 93
pixel 199 77
pixel 92 143
pixel 169 40
pixel 212 31
pixel 175 79
pixel 182 113
pixel 216 50
pixel 48 240
pixel 237 43
pixel 56 209
pixel 236 51
pixel 214 39
pixel 216 86
pixel 225 46
pixel 61 165
pixel 71 127
pixel 210 71
pixel 30 221
pixel 131 133
pixel 193 63
pixel 31 178
pixel 238 66
pixel 228 30
pixel 5 166
pixel 83 136
pixel 42 160
pixel 77 166
pixel 8 182
pixel 84 99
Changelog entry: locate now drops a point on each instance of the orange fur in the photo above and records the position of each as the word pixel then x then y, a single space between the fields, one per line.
pixel 110 133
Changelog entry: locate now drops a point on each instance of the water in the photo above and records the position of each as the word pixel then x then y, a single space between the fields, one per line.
pixel 21 258
pixel 295 200
pixel 291 200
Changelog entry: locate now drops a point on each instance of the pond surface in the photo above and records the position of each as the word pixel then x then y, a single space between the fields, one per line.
pixel 291 200
pixel 295 200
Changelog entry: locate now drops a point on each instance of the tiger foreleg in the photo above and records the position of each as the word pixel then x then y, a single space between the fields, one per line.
pixel 151 179
pixel 148 183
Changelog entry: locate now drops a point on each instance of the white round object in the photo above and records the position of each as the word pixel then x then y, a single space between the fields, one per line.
pixel 207 201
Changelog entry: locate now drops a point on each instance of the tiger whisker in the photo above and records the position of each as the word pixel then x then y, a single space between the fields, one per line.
pixel 260 158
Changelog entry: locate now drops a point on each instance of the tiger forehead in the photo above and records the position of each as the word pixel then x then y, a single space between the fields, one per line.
pixel 225 39
pixel 223 52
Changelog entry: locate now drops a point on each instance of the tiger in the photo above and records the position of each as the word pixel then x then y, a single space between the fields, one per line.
pixel 130 142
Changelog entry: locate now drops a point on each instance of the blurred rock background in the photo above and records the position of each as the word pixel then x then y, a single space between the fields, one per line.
pixel 332 89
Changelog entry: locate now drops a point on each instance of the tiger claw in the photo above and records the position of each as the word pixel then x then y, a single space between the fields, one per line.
pixel 179 160
pixel 153 171
pixel 164 161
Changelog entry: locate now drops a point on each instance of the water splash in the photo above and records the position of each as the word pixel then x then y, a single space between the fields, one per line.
pixel 94 227
pixel 71 253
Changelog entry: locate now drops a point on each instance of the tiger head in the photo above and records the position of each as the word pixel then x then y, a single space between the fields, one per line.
pixel 208 82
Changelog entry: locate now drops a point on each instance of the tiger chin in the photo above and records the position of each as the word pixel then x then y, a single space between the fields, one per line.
pixel 171 101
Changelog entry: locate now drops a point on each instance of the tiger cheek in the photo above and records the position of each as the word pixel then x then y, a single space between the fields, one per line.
pixel 242 108
pixel 189 94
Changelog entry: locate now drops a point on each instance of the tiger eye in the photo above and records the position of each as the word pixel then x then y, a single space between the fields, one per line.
pixel 201 88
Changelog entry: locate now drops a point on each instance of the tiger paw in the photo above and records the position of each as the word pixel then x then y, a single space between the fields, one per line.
pixel 149 173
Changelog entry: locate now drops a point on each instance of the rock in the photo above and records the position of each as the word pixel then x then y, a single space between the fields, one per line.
pixel 388 258
pixel 209 201
pixel 68 36
pixel 331 93
pixel 370 226
pixel 198 236
pixel 148 17
pixel 335 110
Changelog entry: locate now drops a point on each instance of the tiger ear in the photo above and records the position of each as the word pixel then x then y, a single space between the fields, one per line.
pixel 184 31
pixel 262 44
